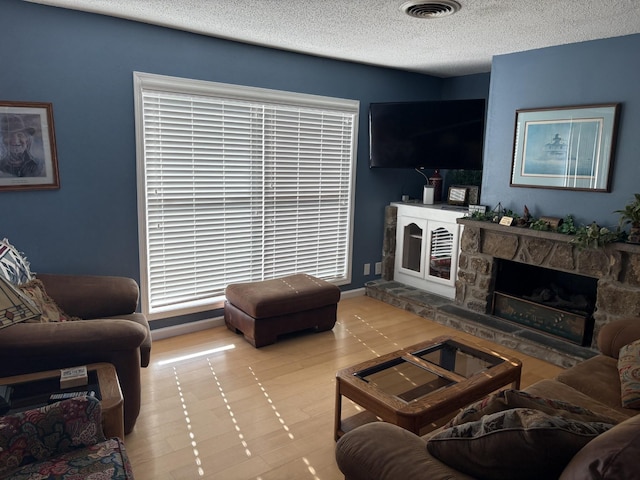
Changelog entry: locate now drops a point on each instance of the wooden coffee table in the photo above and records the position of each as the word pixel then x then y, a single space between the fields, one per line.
pixel 33 391
pixel 423 383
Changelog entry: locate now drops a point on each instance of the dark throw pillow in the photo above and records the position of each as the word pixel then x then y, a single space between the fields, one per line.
pixel 510 398
pixel 519 443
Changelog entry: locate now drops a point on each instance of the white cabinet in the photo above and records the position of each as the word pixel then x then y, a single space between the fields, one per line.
pixel 427 247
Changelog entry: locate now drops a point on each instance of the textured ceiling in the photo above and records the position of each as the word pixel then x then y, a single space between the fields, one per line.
pixel 378 32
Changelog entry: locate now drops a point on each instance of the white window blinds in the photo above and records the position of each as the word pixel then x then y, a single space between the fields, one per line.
pixel 239 184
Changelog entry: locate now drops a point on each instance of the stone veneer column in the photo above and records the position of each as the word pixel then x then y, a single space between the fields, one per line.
pixel 476 273
pixel 389 241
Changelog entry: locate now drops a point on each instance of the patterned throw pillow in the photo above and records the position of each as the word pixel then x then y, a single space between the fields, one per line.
pixel 51 312
pixel 519 443
pixel 37 434
pixel 510 398
pixel 13 265
pixel 15 305
pixel 629 370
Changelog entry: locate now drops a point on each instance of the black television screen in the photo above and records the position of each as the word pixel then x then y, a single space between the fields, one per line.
pixel 445 134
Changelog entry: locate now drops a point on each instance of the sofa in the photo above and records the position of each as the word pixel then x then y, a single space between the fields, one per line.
pixel 608 432
pixel 106 329
pixel 63 441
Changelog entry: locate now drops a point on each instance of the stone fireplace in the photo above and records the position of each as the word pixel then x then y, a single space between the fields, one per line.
pixel 615 268
pixel 612 273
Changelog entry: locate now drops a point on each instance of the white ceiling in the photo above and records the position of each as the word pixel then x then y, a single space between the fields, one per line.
pixel 378 32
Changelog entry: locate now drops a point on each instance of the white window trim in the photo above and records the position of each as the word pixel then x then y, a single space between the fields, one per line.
pixel 198 87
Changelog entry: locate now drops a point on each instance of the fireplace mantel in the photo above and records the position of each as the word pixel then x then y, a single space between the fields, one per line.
pixel 551 236
pixel 615 266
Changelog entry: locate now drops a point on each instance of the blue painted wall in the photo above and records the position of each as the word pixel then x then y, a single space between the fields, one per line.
pixel 83 64
pixel 602 71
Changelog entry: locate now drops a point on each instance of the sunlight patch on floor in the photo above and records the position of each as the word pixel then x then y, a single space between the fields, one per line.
pixel 230 411
pixel 377 330
pixel 192 436
pixel 203 353
pixel 273 407
pixel 308 465
pixel 312 470
pixel 369 326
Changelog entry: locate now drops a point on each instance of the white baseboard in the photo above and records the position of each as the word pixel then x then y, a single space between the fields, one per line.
pixel 356 292
pixel 191 327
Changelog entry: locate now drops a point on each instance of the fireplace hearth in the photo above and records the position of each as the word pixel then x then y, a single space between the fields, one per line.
pixel 489 327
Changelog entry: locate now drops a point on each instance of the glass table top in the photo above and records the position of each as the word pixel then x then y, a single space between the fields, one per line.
pixel 403 379
pixel 458 358
pixel 409 376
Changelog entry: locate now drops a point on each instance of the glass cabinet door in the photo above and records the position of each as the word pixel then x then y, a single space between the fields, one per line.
pixel 442 260
pixel 412 247
pixel 412 238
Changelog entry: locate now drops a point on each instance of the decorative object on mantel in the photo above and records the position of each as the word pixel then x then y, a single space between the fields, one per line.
pixel 548 224
pixel 553 222
pixel 568 148
pixel 494 215
pixel 28 158
pixel 585 236
pixel 630 215
pixel 525 220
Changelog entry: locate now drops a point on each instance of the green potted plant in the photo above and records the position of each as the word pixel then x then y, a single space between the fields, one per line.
pixel 593 236
pixel 630 215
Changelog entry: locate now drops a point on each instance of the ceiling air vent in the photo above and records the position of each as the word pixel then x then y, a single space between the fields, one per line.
pixel 430 8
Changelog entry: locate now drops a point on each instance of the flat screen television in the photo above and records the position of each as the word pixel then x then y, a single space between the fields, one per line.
pixel 447 134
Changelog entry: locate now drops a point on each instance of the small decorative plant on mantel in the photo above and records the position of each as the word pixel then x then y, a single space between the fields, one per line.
pixel 593 236
pixel 630 215
pixel 583 236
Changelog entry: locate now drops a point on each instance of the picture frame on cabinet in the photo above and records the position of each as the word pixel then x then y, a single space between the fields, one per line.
pixel 28 156
pixel 569 148
pixel 458 195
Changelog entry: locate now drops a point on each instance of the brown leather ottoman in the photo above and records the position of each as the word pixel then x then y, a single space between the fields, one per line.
pixel 264 310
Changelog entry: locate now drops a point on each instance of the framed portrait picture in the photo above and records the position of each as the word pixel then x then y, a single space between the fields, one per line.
pixel 28 158
pixel 565 148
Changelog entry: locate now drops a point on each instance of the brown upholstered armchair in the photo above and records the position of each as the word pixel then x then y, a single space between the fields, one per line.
pixel 110 331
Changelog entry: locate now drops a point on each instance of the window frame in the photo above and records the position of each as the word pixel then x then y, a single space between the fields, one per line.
pixel 146 81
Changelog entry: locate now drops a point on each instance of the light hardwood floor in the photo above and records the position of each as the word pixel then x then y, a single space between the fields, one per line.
pixel 266 414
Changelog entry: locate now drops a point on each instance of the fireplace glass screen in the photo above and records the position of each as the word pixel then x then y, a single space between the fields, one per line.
pixel 550 301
